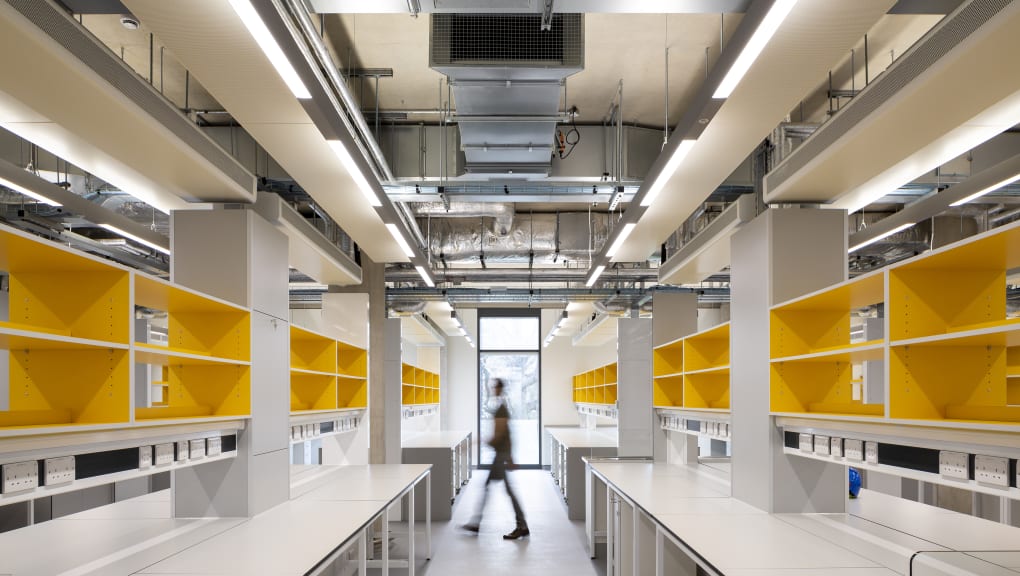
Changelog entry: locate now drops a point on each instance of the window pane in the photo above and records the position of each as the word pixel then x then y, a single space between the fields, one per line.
pixel 497 333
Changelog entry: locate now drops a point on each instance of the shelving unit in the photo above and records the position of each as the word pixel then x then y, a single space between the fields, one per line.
pixel 418 386
pixel 667 374
pixel 694 371
pixel 598 386
pixel 325 374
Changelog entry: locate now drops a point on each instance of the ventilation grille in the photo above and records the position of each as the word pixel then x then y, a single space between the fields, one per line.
pixel 501 39
pixel 948 34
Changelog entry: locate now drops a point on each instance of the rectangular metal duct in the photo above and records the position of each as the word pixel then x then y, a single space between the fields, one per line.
pixel 506 74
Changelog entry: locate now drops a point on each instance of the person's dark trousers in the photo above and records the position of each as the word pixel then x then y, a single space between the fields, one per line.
pixel 496 473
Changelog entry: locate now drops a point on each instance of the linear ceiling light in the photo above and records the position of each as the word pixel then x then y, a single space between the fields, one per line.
pixel 27 192
pixel 555 329
pixel 984 191
pixel 679 154
pixel 131 236
pixel 777 13
pixel 425 276
pixel 352 168
pixel 595 275
pixel 257 28
pixel 618 243
pixel 881 236
pixel 395 232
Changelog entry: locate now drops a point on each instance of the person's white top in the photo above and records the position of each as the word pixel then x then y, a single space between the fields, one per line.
pixel 443 439
pixel 574 437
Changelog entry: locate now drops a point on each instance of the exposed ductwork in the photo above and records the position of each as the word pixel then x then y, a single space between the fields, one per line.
pixel 506 72
pixel 503 214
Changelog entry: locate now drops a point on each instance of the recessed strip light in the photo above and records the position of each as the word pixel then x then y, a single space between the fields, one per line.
pixel 984 191
pixel 768 27
pixel 425 276
pixel 595 275
pixel 33 195
pixel 352 168
pixel 395 232
pixel 618 243
pixel 679 154
pixel 881 236
pixel 131 236
pixel 257 28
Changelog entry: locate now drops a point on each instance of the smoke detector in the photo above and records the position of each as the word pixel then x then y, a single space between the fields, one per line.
pixel 129 22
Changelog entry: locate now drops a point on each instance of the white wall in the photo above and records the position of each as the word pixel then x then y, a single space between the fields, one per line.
pixel 459 397
pixel 559 364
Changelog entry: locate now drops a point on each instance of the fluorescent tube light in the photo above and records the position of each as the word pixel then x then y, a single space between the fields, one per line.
pixel 352 168
pixel 257 28
pixel 779 11
pixel 984 191
pixel 618 243
pixel 425 276
pixel 33 195
pixel 679 154
pixel 395 232
pixel 595 275
pixel 880 237
pixel 307 286
pixel 131 236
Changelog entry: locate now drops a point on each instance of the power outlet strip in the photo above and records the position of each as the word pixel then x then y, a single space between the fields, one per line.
pixel 183 453
pixel 198 448
pixel 853 450
pixel 954 465
pixel 836 447
pixel 213 446
pixel 822 445
pixel 144 456
pixel 20 476
pixel 164 454
pixel 58 470
pixel 871 452
pixel 807 443
pixel 991 470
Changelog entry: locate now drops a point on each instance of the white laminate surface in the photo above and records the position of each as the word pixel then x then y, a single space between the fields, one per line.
pixel 574 437
pixel 663 488
pixel 371 482
pixel 286 540
pixel 815 572
pixel 153 505
pixel 445 439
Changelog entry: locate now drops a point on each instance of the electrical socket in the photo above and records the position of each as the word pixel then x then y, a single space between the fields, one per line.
pixel 822 445
pixel 954 465
pixel 19 476
pixel 164 454
pixel 214 446
pixel 144 456
pixel 58 470
pixel 991 470
pixel 853 450
pixel 807 443
pixel 871 452
pixel 198 448
pixel 836 447
pixel 182 451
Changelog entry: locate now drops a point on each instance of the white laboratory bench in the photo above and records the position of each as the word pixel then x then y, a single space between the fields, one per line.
pixel 312 533
pixel 449 453
pixel 665 519
pixel 567 446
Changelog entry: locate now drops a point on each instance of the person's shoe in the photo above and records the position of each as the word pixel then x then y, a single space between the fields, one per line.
pixel 517 533
pixel 470 527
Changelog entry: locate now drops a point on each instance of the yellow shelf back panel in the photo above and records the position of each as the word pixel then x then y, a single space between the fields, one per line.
pixel 50 387
pixel 352 361
pixel 668 391
pixel 710 349
pixel 204 390
pixel 709 390
pixel 407 374
pixel 311 351
pixel 795 332
pixel 407 394
pixel 668 359
pixel 612 376
pixel 928 302
pixel 312 392
pixel 933 382
pixel 599 374
pixel 816 387
pixel 92 305
pixel 353 392
pixel 611 395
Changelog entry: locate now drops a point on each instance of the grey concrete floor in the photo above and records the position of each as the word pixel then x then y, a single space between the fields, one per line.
pixel 555 547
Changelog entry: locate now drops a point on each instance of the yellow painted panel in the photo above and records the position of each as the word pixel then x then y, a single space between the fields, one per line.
pixel 927 302
pixel 166 412
pixel 701 353
pixel 795 332
pixel 707 390
pixel 224 335
pixel 849 408
pixel 34 418
pixel 796 386
pixel 1013 392
pixel 90 386
pixel 353 392
pixel 23 253
pixel 93 305
pixel 600 395
pixel 857 293
pixel 600 376
pixel 407 394
pixel 162 295
pixel 611 394
pixel 612 373
pixel 220 390
pixel 924 380
pixel 668 391
pixel 419 395
pixel 1008 414
pixel 313 354
pixel 312 392
pixel 668 359
pixel 407 374
pixel 352 361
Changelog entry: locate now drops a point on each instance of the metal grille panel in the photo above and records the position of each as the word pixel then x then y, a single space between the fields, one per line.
pixel 502 39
